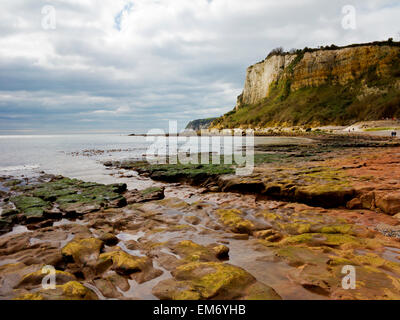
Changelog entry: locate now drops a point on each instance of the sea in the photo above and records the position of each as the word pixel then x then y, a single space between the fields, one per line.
pixel 81 156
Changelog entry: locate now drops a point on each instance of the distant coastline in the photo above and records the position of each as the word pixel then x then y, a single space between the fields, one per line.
pixel 380 127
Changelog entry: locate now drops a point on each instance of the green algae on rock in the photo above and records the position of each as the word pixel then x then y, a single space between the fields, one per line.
pixel 298 249
pixel 146 195
pixel 139 268
pixel 35 279
pixel 233 219
pixel 212 280
pixel 24 203
pixel 43 202
pixel 124 263
pixel 72 290
pixel 82 251
pixel 12 183
pixel 192 252
pixel 195 174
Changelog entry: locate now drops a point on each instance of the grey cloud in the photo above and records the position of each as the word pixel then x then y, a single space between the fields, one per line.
pixel 163 59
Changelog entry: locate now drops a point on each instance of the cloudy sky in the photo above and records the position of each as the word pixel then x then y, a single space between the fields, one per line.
pixel 130 66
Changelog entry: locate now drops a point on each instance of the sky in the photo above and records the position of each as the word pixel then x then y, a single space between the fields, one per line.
pixel 70 66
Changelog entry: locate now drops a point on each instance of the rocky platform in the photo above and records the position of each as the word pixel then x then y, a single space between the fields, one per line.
pixel 285 232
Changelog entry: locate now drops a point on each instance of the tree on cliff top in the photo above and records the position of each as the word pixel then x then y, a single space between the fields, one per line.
pixel 276 52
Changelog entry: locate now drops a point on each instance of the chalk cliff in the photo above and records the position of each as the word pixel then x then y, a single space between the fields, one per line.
pixel 320 86
pixel 261 75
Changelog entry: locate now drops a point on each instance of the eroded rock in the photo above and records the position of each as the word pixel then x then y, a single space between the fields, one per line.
pixel 211 280
pixel 82 251
pixel 72 290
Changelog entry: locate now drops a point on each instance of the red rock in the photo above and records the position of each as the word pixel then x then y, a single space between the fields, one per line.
pixel 389 203
pixel 354 204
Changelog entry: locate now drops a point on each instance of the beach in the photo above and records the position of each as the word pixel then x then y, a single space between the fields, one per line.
pixel 116 227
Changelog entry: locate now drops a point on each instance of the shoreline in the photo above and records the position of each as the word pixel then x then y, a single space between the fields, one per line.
pixel 330 203
pixel 374 128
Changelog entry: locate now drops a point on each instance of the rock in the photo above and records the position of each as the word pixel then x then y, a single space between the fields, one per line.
pixel 211 280
pixel 192 251
pixel 9 211
pixel 108 163
pixel 331 240
pixel 118 187
pixel 99 223
pixel 324 195
pixel 149 194
pixel 354 204
pixel 34 215
pixel 288 237
pixel 314 278
pixel 119 202
pixel 72 290
pixel 192 220
pixel 388 203
pixel 82 251
pixel 148 275
pixel 124 263
pixel 297 256
pixel 118 281
pixel 214 189
pixel 221 251
pixel 25 202
pixel 169 262
pixel 33 225
pixel 233 219
pixel 109 239
pixel 12 183
pixel 269 235
pixel 368 200
pixel 212 225
pixel 231 183
pixel 32 208
pixel 175 290
pixel 10 275
pixel 80 208
pixel 76 197
pixel 44 255
pixel 260 291
pixel 238 236
pixel 6 225
pixel 34 279
pixel 107 288
pixel 49 193
pixel 388 230
pixel 53 214
pixel 262 234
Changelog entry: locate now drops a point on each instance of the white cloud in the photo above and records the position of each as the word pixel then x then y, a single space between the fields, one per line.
pixel 142 61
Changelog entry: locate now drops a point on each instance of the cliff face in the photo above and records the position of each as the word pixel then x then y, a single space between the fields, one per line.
pixel 199 124
pixel 343 66
pixel 320 87
pixel 260 76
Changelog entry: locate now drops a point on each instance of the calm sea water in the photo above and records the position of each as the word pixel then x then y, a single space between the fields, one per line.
pixel 81 156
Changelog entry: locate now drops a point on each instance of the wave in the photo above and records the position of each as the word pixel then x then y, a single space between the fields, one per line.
pixel 19 168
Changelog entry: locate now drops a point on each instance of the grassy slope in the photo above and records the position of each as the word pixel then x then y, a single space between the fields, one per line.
pixel 323 105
